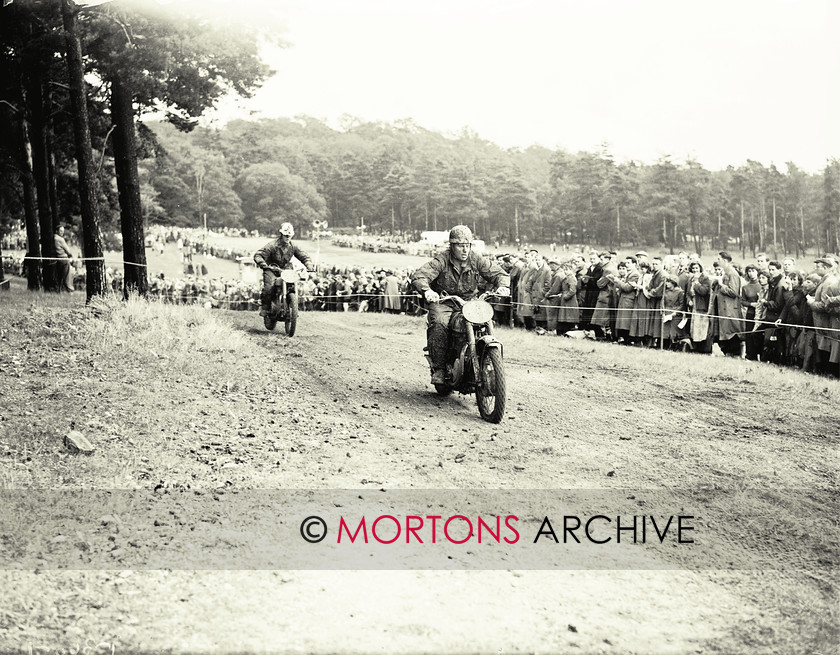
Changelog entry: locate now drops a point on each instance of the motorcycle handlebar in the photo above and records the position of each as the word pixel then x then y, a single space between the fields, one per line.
pixel 460 301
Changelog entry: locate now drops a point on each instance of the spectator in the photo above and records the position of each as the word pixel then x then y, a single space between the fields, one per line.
pixel 525 302
pixel 63 275
pixel 772 304
pixel 699 294
pixel 826 312
pixel 653 292
pixel 750 295
pixel 553 296
pixel 728 323
pixel 673 301
pixel 568 315
pixel 641 306
pixel 626 284
pixel 389 287
pixel 600 320
pixel 591 289
pixel 539 289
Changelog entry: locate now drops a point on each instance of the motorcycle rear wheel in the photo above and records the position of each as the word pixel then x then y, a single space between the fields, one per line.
pixel 291 315
pixel 490 394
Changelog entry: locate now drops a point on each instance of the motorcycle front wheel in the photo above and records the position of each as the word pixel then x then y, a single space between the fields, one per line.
pixel 490 393
pixel 291 314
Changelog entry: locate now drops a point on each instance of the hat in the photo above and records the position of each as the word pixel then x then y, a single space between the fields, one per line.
pixel 825 261
pixel 554 260
pixel 641 253
pixel 605 253
pixel 816 279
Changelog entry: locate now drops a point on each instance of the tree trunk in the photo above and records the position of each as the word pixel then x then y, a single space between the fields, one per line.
pixel 91 237
pixel 128 185
pixel 516 220
pixel 618 226
pixel 802 227
pixel 3 285
pixel 51 178
pixel 40 170
pixel 30 213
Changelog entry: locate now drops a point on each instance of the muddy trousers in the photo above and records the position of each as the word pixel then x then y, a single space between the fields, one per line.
pixel 437 332
pixel 268 283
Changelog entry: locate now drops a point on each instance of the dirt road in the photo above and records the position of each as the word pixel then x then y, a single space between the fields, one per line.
pixel 346 404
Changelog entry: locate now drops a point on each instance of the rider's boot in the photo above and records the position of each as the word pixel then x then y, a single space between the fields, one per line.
pixel 265 301
pixel 436 339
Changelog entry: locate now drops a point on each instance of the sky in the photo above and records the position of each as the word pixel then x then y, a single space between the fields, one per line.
pixel 718 81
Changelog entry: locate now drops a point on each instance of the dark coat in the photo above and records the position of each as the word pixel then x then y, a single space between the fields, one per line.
pixel 442 275
pixel 728 306
pixel 274 253
pixel 569 311
pixel 626 300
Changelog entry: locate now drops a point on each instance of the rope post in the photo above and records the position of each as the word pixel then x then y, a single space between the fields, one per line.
pixel 662 331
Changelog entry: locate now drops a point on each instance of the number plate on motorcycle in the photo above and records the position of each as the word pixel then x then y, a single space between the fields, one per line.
pixel 477 311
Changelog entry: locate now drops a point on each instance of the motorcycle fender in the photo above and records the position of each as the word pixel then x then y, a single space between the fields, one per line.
pixel 489 341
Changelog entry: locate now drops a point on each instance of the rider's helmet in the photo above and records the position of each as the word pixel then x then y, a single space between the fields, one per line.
pixel 287 230
pixel 460 234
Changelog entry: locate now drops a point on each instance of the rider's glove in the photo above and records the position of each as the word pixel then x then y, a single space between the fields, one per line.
pixel 275 269
pixel 503 291
pixel 431 295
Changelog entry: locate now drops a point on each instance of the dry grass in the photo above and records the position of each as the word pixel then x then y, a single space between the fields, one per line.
pixel 113 371
pixel 141 329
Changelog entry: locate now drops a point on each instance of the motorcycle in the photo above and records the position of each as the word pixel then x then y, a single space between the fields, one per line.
pixel 284 302
pixel 474 357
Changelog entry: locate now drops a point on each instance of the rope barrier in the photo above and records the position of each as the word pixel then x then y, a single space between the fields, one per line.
pixel 81 259
pixel 678 311
pixel 512 304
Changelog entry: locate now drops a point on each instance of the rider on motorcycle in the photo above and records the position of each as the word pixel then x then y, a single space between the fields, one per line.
pixel 455 272
pixel 273 258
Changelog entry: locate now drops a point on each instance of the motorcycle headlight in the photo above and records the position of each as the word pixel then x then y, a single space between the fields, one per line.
pixel 477 311
pixel 289 275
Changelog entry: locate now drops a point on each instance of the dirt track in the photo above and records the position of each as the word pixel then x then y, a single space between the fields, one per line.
pixel 346 404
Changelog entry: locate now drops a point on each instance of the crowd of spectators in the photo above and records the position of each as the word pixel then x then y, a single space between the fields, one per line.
pixel 328 289
pixel 771 311
pixel 398 244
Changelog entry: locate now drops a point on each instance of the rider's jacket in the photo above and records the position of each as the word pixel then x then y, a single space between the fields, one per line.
pixel 442 275
pixel 275 253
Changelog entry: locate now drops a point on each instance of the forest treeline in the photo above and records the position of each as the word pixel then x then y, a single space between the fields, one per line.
pixel 401 177
pixel 77 82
